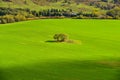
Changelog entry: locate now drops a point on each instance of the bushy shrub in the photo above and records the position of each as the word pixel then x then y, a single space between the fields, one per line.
pixel 3 21
pixel 60 37
pixel 20 17
pixel 9 18
pixel 30 16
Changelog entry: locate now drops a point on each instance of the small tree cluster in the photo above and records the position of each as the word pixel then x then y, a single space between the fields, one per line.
pixel 7 19
pixel 11 18
pixel 20 17
pixel 60 37
pixel 103 5
pixel 115 13
pixel 9 15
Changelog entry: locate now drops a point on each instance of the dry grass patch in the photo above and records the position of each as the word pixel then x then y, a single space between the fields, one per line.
pixel 110 63
pixel 74 41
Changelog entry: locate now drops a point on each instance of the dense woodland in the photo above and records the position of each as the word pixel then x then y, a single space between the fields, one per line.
pixel 103 9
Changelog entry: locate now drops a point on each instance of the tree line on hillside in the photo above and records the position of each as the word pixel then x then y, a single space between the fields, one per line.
pixel 75 1
pixel 9 15
pixel 102 4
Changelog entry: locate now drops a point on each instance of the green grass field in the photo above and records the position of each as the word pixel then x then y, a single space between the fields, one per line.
pixel 25 54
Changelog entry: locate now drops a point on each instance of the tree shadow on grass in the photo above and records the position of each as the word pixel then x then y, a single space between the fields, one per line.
pixel 60 70
pixel 2 76
pixel 118 74
pixel 51 41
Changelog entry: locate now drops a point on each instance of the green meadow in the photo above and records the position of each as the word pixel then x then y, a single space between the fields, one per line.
pixel 28 53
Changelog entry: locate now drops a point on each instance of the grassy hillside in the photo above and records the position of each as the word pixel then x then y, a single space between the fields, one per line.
pixel 19 4
pixel 44 4
pixel 25 54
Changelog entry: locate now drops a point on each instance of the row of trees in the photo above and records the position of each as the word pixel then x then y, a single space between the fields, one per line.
pixel 8 15
pixel 82 14
pixel 58 12
pixel 15 11
pixel 75 1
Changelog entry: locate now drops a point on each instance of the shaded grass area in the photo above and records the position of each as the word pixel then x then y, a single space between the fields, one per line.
pixel 62 70
pixel 51 41
pixel 2 75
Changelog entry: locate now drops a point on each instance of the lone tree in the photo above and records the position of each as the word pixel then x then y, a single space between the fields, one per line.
pixel 60 37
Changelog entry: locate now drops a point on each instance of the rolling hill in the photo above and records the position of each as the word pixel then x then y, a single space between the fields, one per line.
pixel 25 53
pixel 28 51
